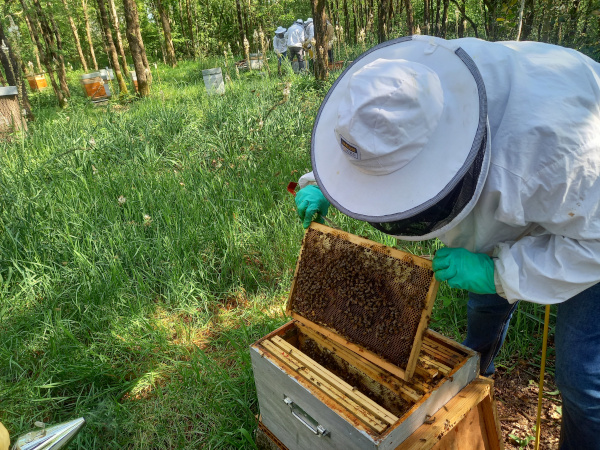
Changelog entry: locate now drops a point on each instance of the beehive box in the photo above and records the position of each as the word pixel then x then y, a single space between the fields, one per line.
pixel 37 81
pixel 95 87
pixel 356 367
pixel 467 422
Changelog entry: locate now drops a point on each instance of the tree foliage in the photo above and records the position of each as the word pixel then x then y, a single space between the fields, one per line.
pixel 198 28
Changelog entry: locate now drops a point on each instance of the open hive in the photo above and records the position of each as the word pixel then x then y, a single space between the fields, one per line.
pixel 356 368
pixel 374 296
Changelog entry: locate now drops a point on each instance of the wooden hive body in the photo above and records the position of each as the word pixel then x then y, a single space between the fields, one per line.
pixel 322 385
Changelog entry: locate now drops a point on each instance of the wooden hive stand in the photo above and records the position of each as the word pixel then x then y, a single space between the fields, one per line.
pixel 467 422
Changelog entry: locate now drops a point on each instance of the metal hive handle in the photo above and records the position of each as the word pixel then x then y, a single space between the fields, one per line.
pixel 304 418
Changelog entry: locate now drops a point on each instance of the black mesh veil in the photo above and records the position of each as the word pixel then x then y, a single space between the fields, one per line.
pixel 445 210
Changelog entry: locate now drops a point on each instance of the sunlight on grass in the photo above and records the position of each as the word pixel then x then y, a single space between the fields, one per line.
pixel 144 246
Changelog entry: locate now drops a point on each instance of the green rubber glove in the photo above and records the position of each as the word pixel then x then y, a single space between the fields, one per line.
pixel 463 269
pixel 310 201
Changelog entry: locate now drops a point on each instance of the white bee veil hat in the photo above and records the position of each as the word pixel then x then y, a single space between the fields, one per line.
pixel 401 139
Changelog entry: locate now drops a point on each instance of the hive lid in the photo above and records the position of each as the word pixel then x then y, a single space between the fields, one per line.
pixel 87 76
pixel 8 90
pixel 375 300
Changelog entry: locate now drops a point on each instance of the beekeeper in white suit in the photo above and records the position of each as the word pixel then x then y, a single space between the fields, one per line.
pixel 280 45
pixel 494 148
pixel 295 41
pixel 309 36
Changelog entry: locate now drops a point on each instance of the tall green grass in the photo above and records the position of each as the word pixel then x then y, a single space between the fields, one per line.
pixel 144 246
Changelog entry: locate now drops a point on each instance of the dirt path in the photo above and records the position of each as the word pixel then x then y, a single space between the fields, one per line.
pixel 517 396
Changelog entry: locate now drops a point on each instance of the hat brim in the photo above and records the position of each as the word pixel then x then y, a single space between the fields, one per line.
pixel 439 166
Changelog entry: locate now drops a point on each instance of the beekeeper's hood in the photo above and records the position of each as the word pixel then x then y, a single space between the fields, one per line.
pixel 280 30
pixel 401 139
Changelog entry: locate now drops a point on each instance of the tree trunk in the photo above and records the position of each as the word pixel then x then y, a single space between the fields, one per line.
pixel 238 7
pixel 144 56
pixel 136 46
pixel 390 18
pixel 461 8
pixel 76 36
pixel 182 26
pixel 110 46
pixel 437 17
pixel 62 72
pixel 355 23
pixel 89 34
pixel 11 61
pixel 51 51
pixel 35 49
pixel 382 15
pixel 529 16
pixel 166 26
pixel 44 56
pixel 520 25
pixel 409 17
pixel 190 26
pixel 426 19
pixel 346 21
pixel 119 42
pixel 445 20
pixel 318 12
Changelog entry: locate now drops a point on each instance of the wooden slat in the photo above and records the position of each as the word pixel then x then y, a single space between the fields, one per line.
pixel 421 329
pixel 492 424
pixel 393 383
pixel 444 359
pixel 427 435
pixel 444 370
pixel 439 351
pixel 375 246
pixel 427 371
pixel 367 354
pixel 337 382
pixel 363 415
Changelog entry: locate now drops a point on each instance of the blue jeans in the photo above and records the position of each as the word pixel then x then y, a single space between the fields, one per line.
pixel 281 57
pixel 577 345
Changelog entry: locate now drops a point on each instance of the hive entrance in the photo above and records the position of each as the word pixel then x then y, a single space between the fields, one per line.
pixel 363 291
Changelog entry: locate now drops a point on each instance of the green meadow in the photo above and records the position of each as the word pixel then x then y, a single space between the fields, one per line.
pixel 144 245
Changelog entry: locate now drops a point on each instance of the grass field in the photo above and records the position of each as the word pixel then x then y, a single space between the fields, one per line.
pixel 144 246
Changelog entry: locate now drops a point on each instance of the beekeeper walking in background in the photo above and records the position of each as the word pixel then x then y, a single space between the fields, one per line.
pixel 309 36
pixel 494 148
pixel 295 41
pixel 280 46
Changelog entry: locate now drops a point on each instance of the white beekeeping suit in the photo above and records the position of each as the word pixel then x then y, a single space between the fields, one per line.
pixel 295 36
pixel 538 212
pixel 280 41
pixel 309 32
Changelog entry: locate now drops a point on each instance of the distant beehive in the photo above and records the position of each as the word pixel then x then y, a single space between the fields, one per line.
pixel 10 113
pixel 94 87
pixel 134 79
pixel 37 81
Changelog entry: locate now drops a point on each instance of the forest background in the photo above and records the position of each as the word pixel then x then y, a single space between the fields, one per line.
pixel 145 243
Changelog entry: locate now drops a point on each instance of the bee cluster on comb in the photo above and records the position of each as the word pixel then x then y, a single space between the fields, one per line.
pixel 365 294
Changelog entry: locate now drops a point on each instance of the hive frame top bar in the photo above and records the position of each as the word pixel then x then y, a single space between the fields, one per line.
pixel 406 258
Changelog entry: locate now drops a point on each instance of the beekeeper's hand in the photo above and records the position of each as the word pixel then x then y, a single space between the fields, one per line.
pixel 4 438
pixel 310 201
pixel 463 269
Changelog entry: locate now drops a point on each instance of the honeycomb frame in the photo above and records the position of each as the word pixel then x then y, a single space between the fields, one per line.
pixel 374 299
